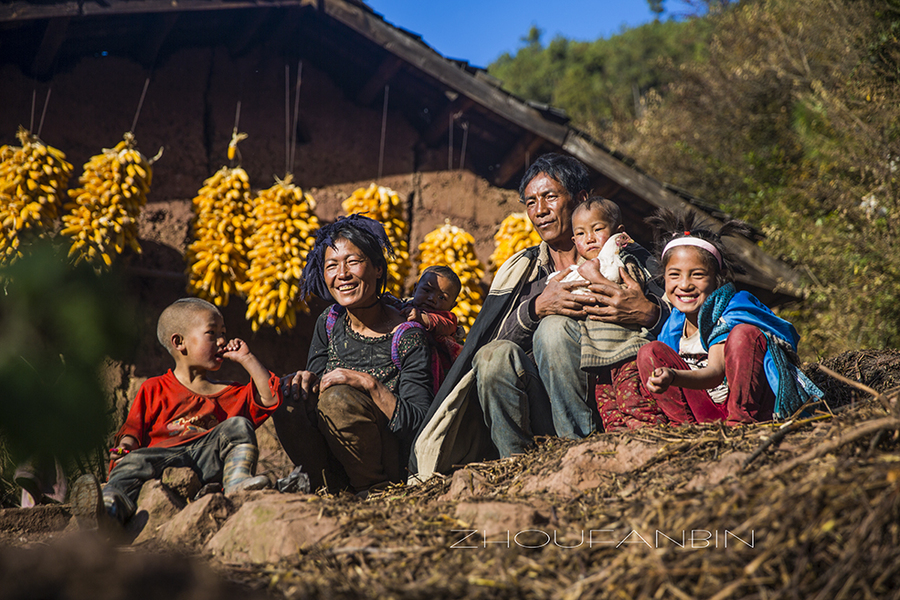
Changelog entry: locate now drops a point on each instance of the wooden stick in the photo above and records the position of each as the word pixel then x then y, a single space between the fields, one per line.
pixel 860 431
pixel 880 397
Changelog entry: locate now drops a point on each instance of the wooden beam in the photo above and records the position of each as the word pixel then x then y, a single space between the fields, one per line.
pixel 27 11
pixel 441 122
pixel 459 80
pixel 158 28
pixel 54 36
pixel 769 272
pixel 515 159
pixel 22 10
pixel 123 7
pixel 374 87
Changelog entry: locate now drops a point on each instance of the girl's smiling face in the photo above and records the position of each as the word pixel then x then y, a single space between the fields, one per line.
pixel 689 280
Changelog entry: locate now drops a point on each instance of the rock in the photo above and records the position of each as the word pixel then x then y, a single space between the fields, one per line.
pixel 269 528
pixel 466 483
pixel 156 505
pixel 183 481
pixel 584 466
pixel 494 520
pixel 714 472
pixel 41 518
pixel 194 525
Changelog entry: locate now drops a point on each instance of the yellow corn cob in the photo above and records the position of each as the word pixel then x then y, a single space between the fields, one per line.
pixel 384 205
pixel 453 247
pixel 104 212
pixel 516 233
pixel 217 256
pixel 284 229
pixel 33 179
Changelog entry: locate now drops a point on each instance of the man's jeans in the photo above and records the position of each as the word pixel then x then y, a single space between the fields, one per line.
pixel 521 397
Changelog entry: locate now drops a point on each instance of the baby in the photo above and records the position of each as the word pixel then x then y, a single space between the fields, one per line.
pixel 608 350
pixel 434 297
pixel 599 239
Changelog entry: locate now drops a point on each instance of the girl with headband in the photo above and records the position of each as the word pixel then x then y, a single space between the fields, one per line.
pixel 721 355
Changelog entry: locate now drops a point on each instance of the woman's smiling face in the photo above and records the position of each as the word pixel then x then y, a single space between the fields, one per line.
pixel 688 279
pixel 350 276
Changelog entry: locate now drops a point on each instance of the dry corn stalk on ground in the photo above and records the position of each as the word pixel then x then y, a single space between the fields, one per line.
pixel 104 212
pixel 216 258
pixel 454 247
pixel 284 230
pixel 33 178
pixel 384 205
pixel 516 233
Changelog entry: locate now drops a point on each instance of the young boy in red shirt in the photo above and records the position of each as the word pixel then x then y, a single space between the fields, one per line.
pixel 185 419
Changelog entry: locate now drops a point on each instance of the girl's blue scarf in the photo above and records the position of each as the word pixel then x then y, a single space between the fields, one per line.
pixel 726 308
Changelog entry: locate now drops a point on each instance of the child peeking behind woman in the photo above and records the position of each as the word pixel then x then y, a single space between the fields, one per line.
pixel 721 355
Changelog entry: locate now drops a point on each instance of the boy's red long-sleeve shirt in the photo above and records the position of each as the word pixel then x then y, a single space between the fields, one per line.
pixel 165 413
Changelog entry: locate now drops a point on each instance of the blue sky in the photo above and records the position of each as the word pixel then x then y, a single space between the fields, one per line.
pixel 479 31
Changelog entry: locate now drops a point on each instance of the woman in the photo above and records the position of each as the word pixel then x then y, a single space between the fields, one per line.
pixel 366 404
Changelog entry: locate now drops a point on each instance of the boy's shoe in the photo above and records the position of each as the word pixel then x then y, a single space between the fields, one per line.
pixel 87 502
pixel 259 482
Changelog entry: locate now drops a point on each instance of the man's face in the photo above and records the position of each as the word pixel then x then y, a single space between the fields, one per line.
pixel 549 206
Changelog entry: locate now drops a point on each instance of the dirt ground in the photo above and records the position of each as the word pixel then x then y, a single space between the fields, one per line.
pixel 808 509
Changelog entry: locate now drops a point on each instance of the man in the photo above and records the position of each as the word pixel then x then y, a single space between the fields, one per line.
pixel 526 312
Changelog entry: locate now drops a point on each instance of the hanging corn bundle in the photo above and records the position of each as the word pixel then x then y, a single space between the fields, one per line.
pixel 284 229
pixel 33 178
pixel 454 247
pixel 516 233
pixel 384 205
pixel 104 211
pixel 216 258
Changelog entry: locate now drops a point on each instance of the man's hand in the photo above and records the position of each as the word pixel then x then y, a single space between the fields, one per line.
pixel 623 306
pixel 298 386
pixel 558 299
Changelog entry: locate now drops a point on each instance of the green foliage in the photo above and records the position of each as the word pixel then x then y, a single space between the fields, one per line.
pixel 788 117
pixel 791 123
pixel 57 326
pixel 600 81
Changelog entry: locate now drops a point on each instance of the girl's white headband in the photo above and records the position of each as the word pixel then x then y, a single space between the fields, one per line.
pixel 694 241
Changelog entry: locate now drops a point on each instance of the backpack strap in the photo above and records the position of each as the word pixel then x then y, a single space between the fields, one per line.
pixel 331 318
pixel 395 341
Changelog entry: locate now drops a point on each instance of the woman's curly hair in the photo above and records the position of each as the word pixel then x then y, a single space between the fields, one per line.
pixel 671 225
pixel 365 233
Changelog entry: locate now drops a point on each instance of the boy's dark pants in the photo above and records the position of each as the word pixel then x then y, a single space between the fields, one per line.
pixel 205 455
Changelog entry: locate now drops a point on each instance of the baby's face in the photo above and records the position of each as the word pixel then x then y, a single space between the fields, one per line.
pixel 591 228
pixel 434 292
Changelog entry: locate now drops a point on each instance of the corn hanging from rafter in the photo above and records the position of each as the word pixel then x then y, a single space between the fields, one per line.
pixel 33 179
pixel 105 210
pixel 384 205
pixel 516 233
pixel 217 256
pixel 284 230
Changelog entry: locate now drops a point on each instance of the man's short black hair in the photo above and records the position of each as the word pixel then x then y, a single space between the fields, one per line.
pixel 567 170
